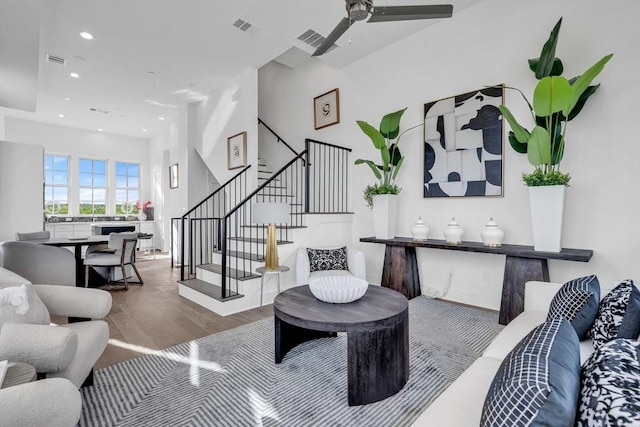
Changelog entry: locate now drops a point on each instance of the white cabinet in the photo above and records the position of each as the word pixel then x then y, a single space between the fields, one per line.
pixel 69 230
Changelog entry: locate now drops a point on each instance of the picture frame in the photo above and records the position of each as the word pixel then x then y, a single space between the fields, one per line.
pixel 464 145
pixel 326 109
pixel 173 176
pixel 237 151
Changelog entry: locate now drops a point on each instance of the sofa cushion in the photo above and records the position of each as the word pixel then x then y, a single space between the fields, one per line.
pixel 513 333
pixel 618 315
pixel 610 389
pixel 36 312
pixel 577 301
pixel 538 382
pixel 327 259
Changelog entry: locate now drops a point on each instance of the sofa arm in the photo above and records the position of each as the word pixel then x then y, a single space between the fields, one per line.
pixel 303 270
pixel 538 295
pixel 356 262
pixel 46 348
pixel 50 402
pixel 75 302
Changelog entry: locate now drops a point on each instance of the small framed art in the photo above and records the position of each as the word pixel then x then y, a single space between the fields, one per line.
pixel 173 176
pixel 326 109
pixel 237 151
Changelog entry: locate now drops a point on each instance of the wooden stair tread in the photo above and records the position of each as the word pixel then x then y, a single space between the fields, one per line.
pixel 231 272
pixel 289 227
pixel 254 240
pixel 243 255
pixel 209 289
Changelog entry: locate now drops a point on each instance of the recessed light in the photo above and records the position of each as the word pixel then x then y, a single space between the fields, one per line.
pixel 99 129
pixel 67 99
pixel 160 118
pixel 61 115
pixel 74 75
pixel 145 130
pixel 86 36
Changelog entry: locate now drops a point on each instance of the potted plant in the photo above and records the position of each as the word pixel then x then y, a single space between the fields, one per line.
pixel 382 196
pixel 556 101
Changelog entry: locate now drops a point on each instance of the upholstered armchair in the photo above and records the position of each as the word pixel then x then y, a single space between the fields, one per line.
pixel 39 263
pixel 329 261
pixel 66 351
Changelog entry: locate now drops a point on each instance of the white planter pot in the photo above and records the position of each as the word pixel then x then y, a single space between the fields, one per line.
pixel 547 216
pixel 384 215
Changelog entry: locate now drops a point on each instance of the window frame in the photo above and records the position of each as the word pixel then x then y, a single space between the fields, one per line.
pixel 93 187
pixel 53 185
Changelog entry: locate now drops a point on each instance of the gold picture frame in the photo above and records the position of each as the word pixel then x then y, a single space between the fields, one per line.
pixel 237 151
pixel 326 109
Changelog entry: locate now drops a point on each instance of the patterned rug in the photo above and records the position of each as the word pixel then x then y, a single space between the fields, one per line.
pixel 230 378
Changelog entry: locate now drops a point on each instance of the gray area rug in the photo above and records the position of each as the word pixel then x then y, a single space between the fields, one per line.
pixel 230 378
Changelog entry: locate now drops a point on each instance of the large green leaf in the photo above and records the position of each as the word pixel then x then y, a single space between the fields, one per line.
pixel 556 69
pixel 517 145
pixel 373 134
pixel 372 165
pixel 390 124
pixel 582 100
pixel 539 152
pixel 548 54
pixel 582 82
pixel 552 94
pixel 521 134
pixel 397 169
pixel 386 157
pixel 395 154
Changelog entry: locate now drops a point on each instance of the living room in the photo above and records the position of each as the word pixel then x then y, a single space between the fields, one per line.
pixel 485 44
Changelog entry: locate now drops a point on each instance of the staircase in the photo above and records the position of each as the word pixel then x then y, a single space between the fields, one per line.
pixel 222 248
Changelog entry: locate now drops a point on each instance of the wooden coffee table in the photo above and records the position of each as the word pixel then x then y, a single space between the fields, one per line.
pixel 377 327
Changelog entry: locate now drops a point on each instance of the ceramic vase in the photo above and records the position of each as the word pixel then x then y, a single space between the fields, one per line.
pixel 419 231
pixel 547 216
pixel 384 215
pixel 492 235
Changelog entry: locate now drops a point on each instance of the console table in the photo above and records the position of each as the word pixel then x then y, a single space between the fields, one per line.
pixel 523 263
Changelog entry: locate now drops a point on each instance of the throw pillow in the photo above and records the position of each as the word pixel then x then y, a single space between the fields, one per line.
pixel 610 389
pixel 577 301
pixel 327 259
pixel 36 314
pixel 539 380
pixel 618 315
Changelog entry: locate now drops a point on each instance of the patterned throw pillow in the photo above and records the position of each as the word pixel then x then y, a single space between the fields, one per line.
pixel 577 301
pixel 618 315
pixel 539 380
pixel 327 259
pixel 610 389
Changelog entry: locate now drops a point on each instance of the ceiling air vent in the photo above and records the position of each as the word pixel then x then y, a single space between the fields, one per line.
pixel 55 59
pixel 314 39
pixel 245 26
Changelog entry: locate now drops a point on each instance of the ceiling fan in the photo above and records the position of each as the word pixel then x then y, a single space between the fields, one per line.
pixel 358 10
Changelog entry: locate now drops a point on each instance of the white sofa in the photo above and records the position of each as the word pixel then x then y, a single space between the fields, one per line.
pixel 460 405
pixel 355 262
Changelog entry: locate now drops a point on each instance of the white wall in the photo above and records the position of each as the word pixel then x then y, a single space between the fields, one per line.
pixel 485 45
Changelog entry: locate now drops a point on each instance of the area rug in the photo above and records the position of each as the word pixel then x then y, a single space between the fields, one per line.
pixel 230 378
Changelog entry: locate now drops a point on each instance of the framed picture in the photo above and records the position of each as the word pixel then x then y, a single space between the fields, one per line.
pixel 173 176
pixel 237 151
pixel 463 145
pixel 326 109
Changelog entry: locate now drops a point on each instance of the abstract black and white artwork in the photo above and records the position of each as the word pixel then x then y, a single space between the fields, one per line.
pixel 463 145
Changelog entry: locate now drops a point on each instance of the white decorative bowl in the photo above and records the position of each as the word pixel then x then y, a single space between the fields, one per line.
pixel 338 289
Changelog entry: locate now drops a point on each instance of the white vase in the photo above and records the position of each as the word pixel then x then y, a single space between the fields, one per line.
pixel 547 216
pixel 384 215
pixel 142 216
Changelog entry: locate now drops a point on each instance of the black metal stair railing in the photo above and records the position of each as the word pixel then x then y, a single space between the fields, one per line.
pixel 200 226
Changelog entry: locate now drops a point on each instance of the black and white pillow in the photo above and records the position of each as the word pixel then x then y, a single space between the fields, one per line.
pixel 327 259
pixel 610 389
pixel 618 315
pixel 539 380
pixel 577 301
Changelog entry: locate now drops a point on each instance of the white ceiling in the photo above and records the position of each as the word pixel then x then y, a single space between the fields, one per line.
pixel 151 56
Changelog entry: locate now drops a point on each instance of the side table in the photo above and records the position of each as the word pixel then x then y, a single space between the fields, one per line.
pixel 263 271
pixel 18 373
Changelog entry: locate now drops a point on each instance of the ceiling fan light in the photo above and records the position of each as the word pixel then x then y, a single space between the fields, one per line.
pixel 358 11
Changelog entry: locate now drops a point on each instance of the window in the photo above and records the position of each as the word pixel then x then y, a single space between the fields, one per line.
pixel 127 187
pixel 93 186
pixel 56 184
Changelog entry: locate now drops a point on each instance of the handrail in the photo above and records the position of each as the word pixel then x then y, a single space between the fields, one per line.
pixel 307 140
pixel 216 191
pixel 260 121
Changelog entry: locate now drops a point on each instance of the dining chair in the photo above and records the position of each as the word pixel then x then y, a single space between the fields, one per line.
pixel 33 235
pixel 120 253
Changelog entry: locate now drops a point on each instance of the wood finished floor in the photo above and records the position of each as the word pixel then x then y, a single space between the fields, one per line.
pixel 153 316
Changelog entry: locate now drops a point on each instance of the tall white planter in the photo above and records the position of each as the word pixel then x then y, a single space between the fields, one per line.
pixel 547 216
pixel 385 207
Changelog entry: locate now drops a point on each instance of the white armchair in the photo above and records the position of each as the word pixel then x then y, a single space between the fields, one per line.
pixel 355 262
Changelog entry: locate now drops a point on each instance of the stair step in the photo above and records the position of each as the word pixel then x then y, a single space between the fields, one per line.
pixel 276 195
pixel 265 178
pixel 231 272
pixel 262 165
pixel 254 240
pixel 264 171
pixel 289 227
pixel 243 255
pixel 209 289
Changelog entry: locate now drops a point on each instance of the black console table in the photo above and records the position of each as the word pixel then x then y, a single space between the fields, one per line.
pixel 523 263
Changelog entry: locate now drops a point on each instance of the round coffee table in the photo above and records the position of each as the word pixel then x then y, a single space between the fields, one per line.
pixel 377 327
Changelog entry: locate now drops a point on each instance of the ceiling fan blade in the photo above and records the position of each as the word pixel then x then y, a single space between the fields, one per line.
pixel 335 35
pixel 406 13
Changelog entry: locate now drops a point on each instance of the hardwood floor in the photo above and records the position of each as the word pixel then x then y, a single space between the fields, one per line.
pixel 153 316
